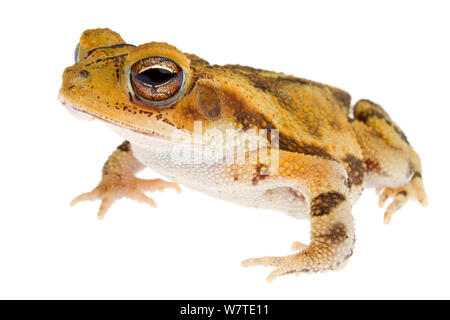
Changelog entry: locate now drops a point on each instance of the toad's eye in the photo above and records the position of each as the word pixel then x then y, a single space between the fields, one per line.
pixel 156 81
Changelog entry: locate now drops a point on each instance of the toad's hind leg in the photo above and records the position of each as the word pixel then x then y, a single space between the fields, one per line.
pixel 118 181
pixel 332 240
pixel 392 165
pixel 324 185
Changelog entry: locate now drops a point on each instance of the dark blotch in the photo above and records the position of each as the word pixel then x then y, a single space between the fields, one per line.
pixel 323 203
pixel 290 144
pixel 355 170
pixel 336 235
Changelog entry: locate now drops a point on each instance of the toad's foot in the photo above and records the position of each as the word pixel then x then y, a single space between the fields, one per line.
pixel 112 188
pixel 118 181
pixel 284 264
pixel 330 249
pixel 311 259
pixel 291 264
pixel 414 190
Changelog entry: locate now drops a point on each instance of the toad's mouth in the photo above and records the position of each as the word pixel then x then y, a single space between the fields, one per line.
pixel 158 133
pixel 82 114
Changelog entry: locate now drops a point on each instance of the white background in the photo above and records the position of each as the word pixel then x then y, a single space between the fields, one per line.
pixel 394 53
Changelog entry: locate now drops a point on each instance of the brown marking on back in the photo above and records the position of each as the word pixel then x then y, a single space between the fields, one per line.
pixel 249 118
pixel 355 170
pixel 323 203
pixel 281 86
pixel 290 144
pixel 277 86
pixel 243 114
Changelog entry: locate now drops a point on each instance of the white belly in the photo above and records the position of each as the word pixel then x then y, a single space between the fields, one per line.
pixel 211 177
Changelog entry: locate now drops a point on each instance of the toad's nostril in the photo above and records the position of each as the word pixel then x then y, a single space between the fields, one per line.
pixel 84 73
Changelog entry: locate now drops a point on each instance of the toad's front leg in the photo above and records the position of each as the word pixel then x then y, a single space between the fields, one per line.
pixel 119 180
pixel 332 236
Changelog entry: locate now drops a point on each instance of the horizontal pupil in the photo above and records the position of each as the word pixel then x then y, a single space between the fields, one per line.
pixel 155 76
